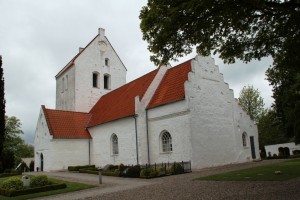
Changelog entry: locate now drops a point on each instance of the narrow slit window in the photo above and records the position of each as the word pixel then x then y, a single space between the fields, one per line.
pixel 115 143
pixel 95 80
pixel 106 81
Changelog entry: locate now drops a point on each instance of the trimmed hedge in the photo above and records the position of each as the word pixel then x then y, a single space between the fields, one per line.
pixel 88 171
pixel 9 174
pixel 39 181
pixel 13 183
pixel 12 193
pixel 109 173
pixel 76 168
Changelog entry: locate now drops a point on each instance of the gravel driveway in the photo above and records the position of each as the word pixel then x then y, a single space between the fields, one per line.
pixel 182 186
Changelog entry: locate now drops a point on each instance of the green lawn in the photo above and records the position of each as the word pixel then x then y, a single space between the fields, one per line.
pixel 290 169
pixel 71 186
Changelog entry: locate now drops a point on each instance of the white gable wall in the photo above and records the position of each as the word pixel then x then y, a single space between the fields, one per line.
pixel 212 105
pixel 101 147
pixel 92 59
pixel 42 143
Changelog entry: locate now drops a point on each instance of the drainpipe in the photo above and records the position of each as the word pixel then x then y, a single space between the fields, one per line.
pixel 148 148
pixel 136 140
pixel 89 151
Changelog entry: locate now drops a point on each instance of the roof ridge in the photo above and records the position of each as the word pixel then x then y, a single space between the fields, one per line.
pixel 67 111
pixel 119 88
pixel 71 62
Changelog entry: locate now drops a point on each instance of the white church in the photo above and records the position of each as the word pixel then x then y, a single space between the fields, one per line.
pixel 181 113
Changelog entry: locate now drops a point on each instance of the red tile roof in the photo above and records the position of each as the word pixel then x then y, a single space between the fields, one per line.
pixel 120 103
pixel 171 88
pixel 67 124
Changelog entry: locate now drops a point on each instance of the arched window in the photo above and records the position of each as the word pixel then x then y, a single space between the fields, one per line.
pixel 166 142
pixel 244 138
pixel 114 144
pixel 106 81
pixel 95 79
pixel 106 62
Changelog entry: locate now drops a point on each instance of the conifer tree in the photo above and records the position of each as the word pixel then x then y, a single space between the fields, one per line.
pixel 2 109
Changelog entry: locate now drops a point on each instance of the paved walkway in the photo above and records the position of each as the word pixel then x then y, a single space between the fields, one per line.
pixel 181 186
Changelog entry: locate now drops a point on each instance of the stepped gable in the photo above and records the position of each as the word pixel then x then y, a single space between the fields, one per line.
pixel 171 88
pixel 67 124
pixel 120 103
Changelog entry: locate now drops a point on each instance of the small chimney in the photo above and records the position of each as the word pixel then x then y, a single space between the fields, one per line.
pixel 101 32
pixel 80 49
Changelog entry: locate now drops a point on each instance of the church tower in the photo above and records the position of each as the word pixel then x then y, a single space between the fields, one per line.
pixel 93 72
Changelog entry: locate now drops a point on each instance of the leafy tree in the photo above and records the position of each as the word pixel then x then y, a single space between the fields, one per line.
pixel 270 129
pixel 284 76
pixel 251 102
pixel 14 144
pixel 235 29
pixel 2 109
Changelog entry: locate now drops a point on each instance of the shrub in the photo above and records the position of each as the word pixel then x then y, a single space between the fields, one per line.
pixel 133 172
pixel 13 183
pixel 121 167
pixel 113 167
pixel 149 173
pixel 38 181
pixel 296 152
pixel 176 168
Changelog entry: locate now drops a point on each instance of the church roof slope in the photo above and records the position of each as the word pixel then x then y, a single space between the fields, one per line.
pixel 171 88
pixel 120 103
pixel 67 124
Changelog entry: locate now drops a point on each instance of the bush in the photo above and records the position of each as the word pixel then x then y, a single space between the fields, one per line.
pixel 133 172
pixel 149 173
pixel 121 167
pixel 176 168
pixel 296 152
pixel 38 181
pixel 13 183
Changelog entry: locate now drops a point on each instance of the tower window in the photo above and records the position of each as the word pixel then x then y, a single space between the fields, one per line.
pixel 106 81
pixel 106 62
pixel 95 80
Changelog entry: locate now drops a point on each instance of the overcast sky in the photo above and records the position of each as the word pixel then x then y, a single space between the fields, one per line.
pixel 39 37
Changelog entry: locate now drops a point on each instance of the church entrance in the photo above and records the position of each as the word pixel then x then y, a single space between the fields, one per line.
pixel 252 147
pixel 42 162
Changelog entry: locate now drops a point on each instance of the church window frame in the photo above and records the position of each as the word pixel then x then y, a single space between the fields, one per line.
pixel 244 139
pixel 114 144
pixel 95 80
pixel 166 142
pixel 106 81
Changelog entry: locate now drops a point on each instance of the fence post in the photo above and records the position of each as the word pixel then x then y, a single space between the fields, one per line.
pixel 155 166
pixel 182 166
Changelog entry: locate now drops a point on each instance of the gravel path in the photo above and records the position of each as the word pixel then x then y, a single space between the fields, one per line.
pixel 183 187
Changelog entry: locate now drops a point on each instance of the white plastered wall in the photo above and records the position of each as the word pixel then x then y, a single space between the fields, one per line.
pixel 101 146
pixel 174 118
pixel 91 60
pixel 65 90
pixel 213 133
pixel 42 144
